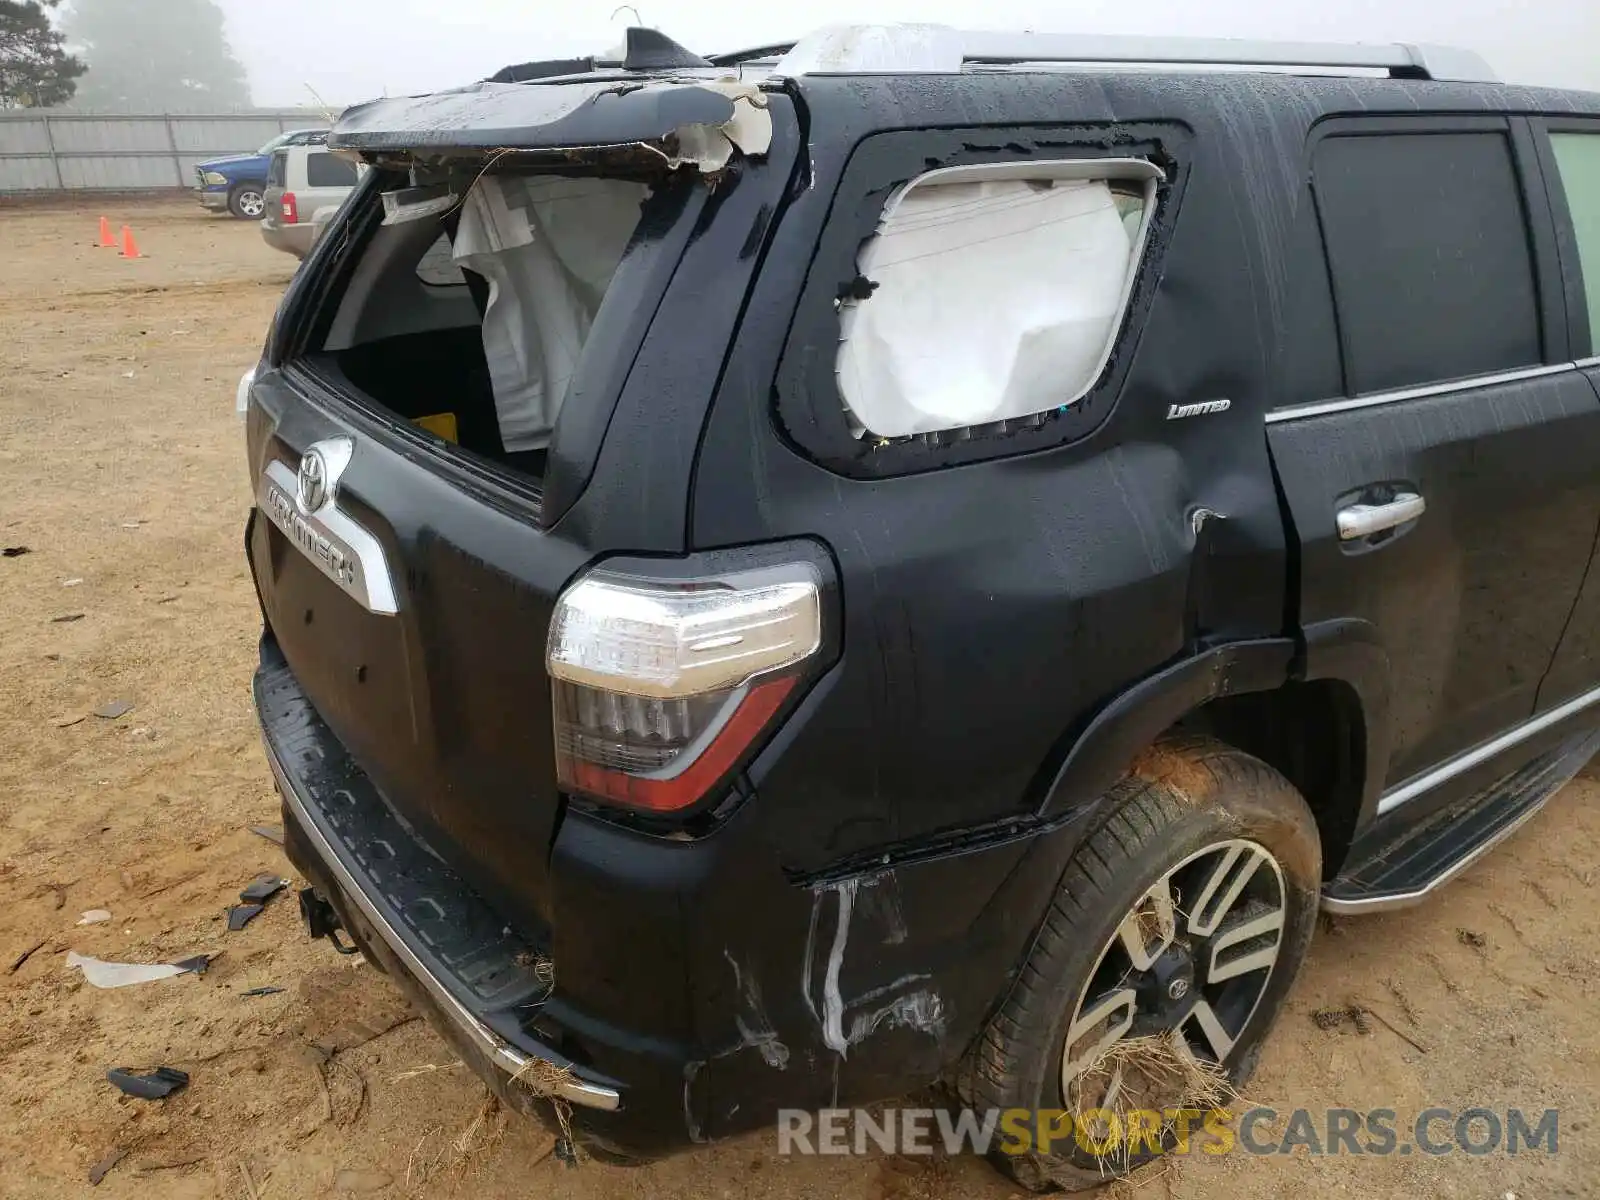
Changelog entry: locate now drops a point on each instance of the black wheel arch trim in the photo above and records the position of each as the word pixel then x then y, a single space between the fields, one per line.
pixel 1347 650
pixel 1101 752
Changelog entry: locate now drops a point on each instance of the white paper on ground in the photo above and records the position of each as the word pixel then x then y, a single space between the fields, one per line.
pixel 94 916
pixel 548 247
pixel 995 300
pixel 102 974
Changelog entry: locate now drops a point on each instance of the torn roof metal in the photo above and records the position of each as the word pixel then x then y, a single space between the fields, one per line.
pixel 700 120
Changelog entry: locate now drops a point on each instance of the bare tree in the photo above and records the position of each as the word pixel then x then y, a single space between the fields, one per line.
pixel 156 56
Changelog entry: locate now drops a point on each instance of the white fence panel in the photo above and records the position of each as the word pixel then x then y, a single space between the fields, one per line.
pixel 60 149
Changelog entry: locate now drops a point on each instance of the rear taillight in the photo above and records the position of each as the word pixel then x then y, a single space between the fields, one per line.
pixel 661 687
pixel 291 209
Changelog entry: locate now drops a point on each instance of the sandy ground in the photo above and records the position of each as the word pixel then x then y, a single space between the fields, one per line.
pixel 121 470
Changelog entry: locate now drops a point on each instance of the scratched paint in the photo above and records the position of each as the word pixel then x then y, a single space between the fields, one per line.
pixel 832 1002
pixel 690 1071
pixel 755 1027
pixel 920 1009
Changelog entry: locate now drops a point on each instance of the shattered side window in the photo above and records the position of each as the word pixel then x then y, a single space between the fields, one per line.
pixel 991 292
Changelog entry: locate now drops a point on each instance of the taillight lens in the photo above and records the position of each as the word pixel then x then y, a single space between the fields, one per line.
pixel 661 687
pixel 291 209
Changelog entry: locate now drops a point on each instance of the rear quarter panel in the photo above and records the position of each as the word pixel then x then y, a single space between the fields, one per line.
pixel 991 608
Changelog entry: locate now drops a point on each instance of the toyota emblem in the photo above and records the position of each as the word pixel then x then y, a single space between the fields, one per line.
pixel 322 464
pixel 313 482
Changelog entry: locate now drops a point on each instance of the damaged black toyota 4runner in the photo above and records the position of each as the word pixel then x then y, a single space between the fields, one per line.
pixel 785 583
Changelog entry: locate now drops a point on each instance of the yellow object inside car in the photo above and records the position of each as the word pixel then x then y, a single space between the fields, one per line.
pixel 441 425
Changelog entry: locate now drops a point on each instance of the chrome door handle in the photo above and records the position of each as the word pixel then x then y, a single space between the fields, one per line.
pixel 1358 521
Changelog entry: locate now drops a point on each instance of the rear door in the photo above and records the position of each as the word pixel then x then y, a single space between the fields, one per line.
pixel 1446 496
pixel 1570 156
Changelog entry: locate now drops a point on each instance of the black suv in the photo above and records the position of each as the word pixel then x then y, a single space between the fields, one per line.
pixel 785 583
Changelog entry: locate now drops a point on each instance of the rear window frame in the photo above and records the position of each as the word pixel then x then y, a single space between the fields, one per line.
pixel 808 406
pixel 312 303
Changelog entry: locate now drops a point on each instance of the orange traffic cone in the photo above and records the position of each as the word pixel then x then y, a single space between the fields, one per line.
pixel 130 248
pixel 107 242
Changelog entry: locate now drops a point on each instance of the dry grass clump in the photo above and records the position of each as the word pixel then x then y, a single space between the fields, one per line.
pixel 546 1080
pixel 1138 1075
pixel 455 1154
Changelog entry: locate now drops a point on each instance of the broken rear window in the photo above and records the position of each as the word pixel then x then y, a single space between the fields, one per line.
pixel 548 247
pixel 991 292
pixel 468 315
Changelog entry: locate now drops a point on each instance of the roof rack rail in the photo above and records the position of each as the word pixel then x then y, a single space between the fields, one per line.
pixel 853 49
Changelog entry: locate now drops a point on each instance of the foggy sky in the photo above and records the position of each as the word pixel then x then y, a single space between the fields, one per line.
pixel 350 50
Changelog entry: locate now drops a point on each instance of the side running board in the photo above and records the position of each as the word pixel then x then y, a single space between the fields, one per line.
pixel 1409 869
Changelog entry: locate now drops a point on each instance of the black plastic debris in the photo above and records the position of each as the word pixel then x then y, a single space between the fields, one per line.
pixel 66 618
pixel 113 710
pixel 262 991
pixel 262 889
pixel 15 551
pixel 196 963
pixel 255 896
pixel 157 1085
pixel 273 833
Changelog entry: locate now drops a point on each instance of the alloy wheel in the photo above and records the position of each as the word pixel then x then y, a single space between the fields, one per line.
pixel 1189 963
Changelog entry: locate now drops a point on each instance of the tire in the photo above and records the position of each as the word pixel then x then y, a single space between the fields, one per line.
pixel 1174 820
pixel 248 201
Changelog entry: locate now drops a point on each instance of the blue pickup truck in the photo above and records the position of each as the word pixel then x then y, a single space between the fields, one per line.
pixel 238 183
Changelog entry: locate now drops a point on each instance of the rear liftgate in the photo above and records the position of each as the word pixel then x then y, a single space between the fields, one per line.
pixel 409 733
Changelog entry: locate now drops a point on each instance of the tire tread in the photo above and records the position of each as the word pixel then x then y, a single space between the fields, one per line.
pixel 1138 813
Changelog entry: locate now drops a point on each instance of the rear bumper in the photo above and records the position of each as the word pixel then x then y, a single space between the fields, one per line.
pixel 291 239
pixel 314 853
pixel 699 989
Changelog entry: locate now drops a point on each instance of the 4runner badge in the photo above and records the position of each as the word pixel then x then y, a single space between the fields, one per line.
pixel 1199 409
pixel 304 505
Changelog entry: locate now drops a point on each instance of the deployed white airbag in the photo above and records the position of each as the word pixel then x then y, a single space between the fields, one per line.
pixel 548 247
pixel 995 299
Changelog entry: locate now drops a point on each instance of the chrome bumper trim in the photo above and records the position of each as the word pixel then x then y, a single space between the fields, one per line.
pixel 505 1056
